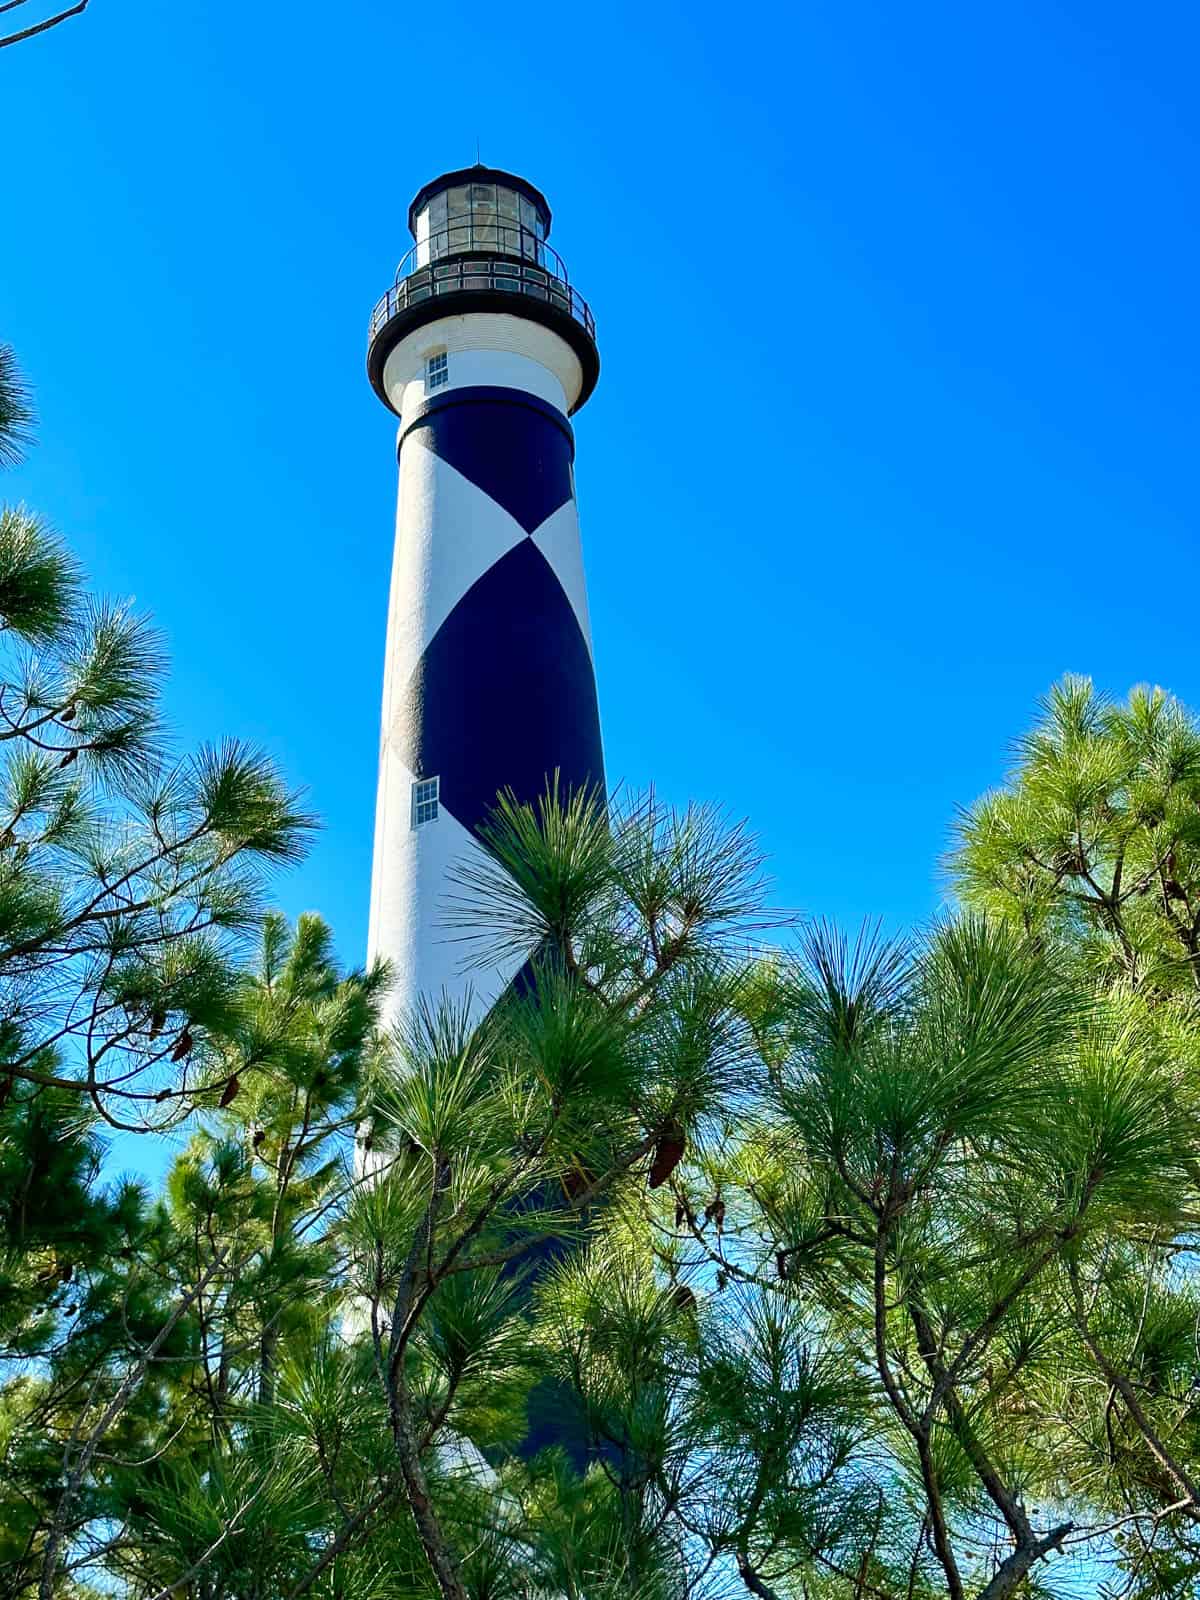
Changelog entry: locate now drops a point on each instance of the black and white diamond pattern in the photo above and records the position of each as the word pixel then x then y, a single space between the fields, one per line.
pixel 489 682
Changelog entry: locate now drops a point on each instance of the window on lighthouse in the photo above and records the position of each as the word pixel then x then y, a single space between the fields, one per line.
pixel 424 801
pixel 437 370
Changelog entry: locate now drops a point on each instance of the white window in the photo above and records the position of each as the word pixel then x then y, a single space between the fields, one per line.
pixel 436 370
pixel 424 801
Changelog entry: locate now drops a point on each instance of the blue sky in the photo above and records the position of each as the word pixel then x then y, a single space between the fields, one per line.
pixel 896 421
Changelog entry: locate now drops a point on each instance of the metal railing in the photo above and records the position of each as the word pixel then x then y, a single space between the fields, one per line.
pixel 472 255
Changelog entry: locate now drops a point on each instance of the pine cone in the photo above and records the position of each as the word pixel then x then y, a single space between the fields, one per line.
pixel 668 1153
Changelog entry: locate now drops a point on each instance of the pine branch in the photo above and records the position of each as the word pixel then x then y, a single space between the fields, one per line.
pixel 61 1520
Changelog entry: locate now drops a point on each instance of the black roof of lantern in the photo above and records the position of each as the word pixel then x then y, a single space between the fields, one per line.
pixel 478 174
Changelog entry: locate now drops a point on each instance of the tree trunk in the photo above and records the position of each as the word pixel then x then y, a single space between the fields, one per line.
pixel 437 1548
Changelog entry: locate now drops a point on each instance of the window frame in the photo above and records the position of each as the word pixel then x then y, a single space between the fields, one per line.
pixel 437 370
pixel 425 802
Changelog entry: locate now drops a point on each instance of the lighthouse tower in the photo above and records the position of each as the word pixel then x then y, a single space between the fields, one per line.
pixel 483 349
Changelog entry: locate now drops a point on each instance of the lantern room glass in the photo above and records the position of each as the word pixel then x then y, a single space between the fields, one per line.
pixel 488 217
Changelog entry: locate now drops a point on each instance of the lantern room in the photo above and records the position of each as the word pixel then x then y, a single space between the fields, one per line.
pixel 479 209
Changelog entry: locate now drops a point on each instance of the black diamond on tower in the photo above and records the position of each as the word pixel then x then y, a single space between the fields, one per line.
pixel 513 446
pixel 505 693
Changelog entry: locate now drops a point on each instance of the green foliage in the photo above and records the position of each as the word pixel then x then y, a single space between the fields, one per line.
pixel 826 1263
pixel 127 880
pixel 16 410
pixel 236 1262
pixel 39 581
pixel 141 1339
pixel 1095 840
pixel 852 1268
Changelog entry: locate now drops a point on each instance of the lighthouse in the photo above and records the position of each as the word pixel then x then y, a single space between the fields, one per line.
pixel 484 350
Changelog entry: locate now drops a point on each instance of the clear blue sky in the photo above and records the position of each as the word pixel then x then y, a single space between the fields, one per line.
pixel 897 417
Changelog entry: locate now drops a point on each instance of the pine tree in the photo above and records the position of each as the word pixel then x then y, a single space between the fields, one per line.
pixel 1095 840
pixel 1093 846
pixel 127 884
pixel 127 875
pixel 245 1234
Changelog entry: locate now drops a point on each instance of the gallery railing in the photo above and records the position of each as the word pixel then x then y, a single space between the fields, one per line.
pixel 472 255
